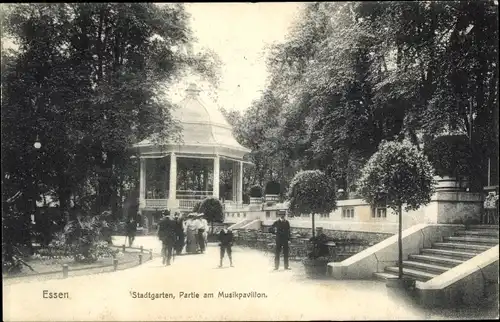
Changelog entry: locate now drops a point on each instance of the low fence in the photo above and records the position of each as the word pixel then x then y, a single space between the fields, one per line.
pixel 142 257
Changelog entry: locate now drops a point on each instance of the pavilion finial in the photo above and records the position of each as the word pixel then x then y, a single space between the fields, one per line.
pixel 193 90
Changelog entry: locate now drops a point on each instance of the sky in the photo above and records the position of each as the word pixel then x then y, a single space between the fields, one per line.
pixel 238 33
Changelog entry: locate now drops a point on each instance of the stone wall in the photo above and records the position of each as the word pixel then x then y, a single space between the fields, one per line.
pixel 370 237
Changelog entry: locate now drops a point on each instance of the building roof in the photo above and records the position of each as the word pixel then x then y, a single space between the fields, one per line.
pixel 202 125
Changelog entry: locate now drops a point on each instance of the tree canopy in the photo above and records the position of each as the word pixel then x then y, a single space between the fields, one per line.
pixel 352 74
pixel 397 174
pixel 87 81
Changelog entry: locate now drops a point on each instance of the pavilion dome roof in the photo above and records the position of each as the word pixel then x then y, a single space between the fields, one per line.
pixel 202 124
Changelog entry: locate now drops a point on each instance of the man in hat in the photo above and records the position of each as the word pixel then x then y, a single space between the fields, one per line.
pixel 167 235
pixel 281 228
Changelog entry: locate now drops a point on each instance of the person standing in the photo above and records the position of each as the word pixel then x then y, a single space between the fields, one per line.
pixel 167 235
pixel 191 231
pixel 179 227
pixel 131 230
pixel 281 228
pixel 202 233
pixel 225 243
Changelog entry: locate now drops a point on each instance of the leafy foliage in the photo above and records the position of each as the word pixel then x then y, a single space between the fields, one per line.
pixel 92 77
pixel 273 188
pixel 196 207
pixel 353 74
pixel 256 191
pixel 450 155
pixel 212 209
pixel 311 192
pixel 397 174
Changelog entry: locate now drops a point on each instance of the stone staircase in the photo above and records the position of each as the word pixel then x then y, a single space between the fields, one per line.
pixel 443 256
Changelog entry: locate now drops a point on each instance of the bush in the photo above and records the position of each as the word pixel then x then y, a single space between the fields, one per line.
pixel 83 238
pixel 256 191
pixel 212 209
pixel 273 188
pixel 450 155
pixel 196 207
pixel 311 192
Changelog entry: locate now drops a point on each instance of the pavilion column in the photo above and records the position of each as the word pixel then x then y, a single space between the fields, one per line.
pixel 142 184
pixel 240 183
pixel 216 176
pixel 205 179
pixel 172 188
pixel 235 182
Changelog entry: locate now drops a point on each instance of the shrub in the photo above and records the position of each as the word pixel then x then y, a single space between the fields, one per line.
pixel 196 207
pixel 84 238
pixel 212 209
pixel 273 188
pixel 450 155
pixel 256 191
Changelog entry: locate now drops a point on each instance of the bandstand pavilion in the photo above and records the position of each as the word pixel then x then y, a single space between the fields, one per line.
pixel 175 175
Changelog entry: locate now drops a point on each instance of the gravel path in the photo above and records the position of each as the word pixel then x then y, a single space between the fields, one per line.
pixel 284 295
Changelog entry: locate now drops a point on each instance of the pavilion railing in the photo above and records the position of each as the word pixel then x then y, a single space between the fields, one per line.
pixel 193 195
pixel 156 203
pixel 187 204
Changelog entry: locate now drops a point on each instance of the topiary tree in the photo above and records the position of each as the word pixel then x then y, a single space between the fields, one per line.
pixel 397 174
pixel 311 192
pixel 256 191
pixel 272 188
pixel 213 210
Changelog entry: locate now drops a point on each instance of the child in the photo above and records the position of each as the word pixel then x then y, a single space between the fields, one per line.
pixel 226 241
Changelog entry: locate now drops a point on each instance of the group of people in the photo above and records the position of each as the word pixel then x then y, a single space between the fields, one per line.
pixel 175 233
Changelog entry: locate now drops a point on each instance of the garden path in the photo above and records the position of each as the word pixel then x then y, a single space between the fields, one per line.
pixel 290 295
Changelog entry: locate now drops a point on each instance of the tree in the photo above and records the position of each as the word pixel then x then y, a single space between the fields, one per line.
pixel 397 174
pixel 92 77
pixel 311 192
pixel 213 210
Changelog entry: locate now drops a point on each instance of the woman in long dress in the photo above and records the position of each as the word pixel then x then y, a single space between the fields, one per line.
pixel 191 232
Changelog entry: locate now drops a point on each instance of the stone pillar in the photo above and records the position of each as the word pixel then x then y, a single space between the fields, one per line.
pixel 240 183
pixel 172 187
pixel 142 184
pixel 216 176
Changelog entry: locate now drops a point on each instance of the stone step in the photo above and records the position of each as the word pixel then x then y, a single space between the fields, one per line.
pixel 448 253
pixel 383 276
pixel 472 240
pixel 417 274
pixel 442 261
pixel 478 233
pixel 494 227
pixel 426 267
pixel 469 247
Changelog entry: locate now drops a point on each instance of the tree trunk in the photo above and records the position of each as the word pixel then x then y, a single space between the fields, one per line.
pixel 314 229
pixel 400 242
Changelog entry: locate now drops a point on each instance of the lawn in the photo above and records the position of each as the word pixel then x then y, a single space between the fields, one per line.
pixel 45 265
